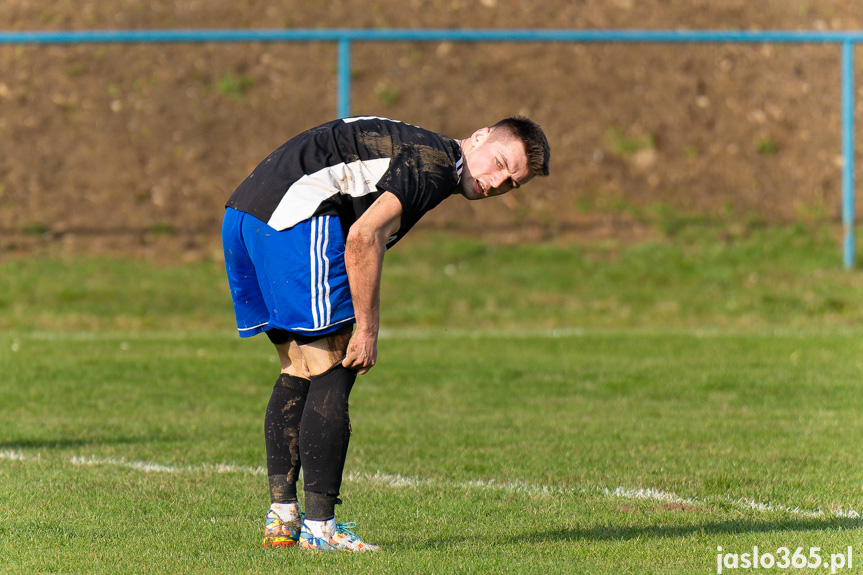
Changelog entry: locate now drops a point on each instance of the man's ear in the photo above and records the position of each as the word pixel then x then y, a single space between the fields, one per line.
pixel 480 135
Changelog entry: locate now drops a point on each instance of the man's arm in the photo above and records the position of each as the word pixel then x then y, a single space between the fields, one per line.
pixel 364 258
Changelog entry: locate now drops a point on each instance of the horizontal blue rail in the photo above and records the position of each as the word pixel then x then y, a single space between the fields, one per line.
pixel 344 37
pixel 429 35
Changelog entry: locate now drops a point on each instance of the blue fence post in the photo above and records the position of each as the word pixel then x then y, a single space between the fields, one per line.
pixel 848 152
pixel 344 77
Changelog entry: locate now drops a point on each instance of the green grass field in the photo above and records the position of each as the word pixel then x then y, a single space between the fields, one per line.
pixel 536 409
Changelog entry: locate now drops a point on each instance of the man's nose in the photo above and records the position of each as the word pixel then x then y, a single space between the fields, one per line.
pixel 498 179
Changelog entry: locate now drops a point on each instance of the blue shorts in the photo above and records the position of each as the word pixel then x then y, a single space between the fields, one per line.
pixel 293 280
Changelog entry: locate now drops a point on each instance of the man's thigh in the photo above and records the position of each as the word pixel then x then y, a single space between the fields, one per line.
pixel 306 357
pixel 323 353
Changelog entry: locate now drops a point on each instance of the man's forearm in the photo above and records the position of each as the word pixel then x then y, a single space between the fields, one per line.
pixel 364 256
pixel 364 259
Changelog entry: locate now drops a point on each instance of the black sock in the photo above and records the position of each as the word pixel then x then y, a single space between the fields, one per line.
pixel 324 434
pixel 282 434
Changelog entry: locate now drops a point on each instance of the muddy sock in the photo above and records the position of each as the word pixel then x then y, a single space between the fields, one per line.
pixel 322 529
pixel 282 434
pixel 320 506
pixel 286 511
pixel 324 435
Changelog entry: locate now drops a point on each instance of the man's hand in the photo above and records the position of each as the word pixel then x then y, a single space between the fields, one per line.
pixel 362 352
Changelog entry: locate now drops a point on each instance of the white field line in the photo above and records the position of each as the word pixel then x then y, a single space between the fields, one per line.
pixel 14 456
pixel 402 481
pixel 647 493
pixel 467 333
pixel 159 468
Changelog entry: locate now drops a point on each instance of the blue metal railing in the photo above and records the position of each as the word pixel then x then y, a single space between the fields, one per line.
pixel 344 38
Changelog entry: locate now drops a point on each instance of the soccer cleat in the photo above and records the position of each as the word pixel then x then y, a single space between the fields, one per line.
pixel 343 540
pixel 278 533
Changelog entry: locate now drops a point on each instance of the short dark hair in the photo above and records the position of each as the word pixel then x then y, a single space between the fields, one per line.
pixel 535 143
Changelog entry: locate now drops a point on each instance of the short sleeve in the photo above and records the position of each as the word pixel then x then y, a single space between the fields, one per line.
pixel 421 176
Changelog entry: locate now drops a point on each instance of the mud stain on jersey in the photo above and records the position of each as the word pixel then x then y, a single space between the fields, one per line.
pixel 435 163
pixel 429 163
pixel 379 145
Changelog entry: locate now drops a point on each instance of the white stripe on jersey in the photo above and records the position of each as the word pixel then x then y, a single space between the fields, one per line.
pixel 306 194
pixel 358 118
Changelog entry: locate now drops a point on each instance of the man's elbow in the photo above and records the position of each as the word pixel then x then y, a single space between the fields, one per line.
pixel 361 239
pixel 364 236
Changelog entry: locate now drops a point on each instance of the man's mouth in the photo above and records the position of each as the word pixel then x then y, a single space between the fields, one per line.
pixel 479 189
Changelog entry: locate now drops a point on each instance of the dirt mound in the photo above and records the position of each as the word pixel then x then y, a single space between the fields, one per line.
pixel 134 148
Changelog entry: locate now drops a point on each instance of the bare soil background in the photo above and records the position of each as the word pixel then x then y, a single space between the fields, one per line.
pixel 133 149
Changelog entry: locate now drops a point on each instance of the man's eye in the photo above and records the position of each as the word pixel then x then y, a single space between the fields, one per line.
pixel 497 163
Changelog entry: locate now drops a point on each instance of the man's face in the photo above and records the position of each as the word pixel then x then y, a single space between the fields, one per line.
pixel 492 166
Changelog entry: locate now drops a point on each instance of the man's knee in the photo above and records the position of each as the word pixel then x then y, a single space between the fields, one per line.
pixel 291 358
pixel 305 356
pixel 323 353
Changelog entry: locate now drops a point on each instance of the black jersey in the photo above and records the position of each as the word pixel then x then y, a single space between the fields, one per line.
pixel 341 167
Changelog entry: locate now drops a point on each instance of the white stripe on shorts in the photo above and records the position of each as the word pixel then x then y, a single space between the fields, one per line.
pixel 327 270
pixel 320 271
pixel 313 263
